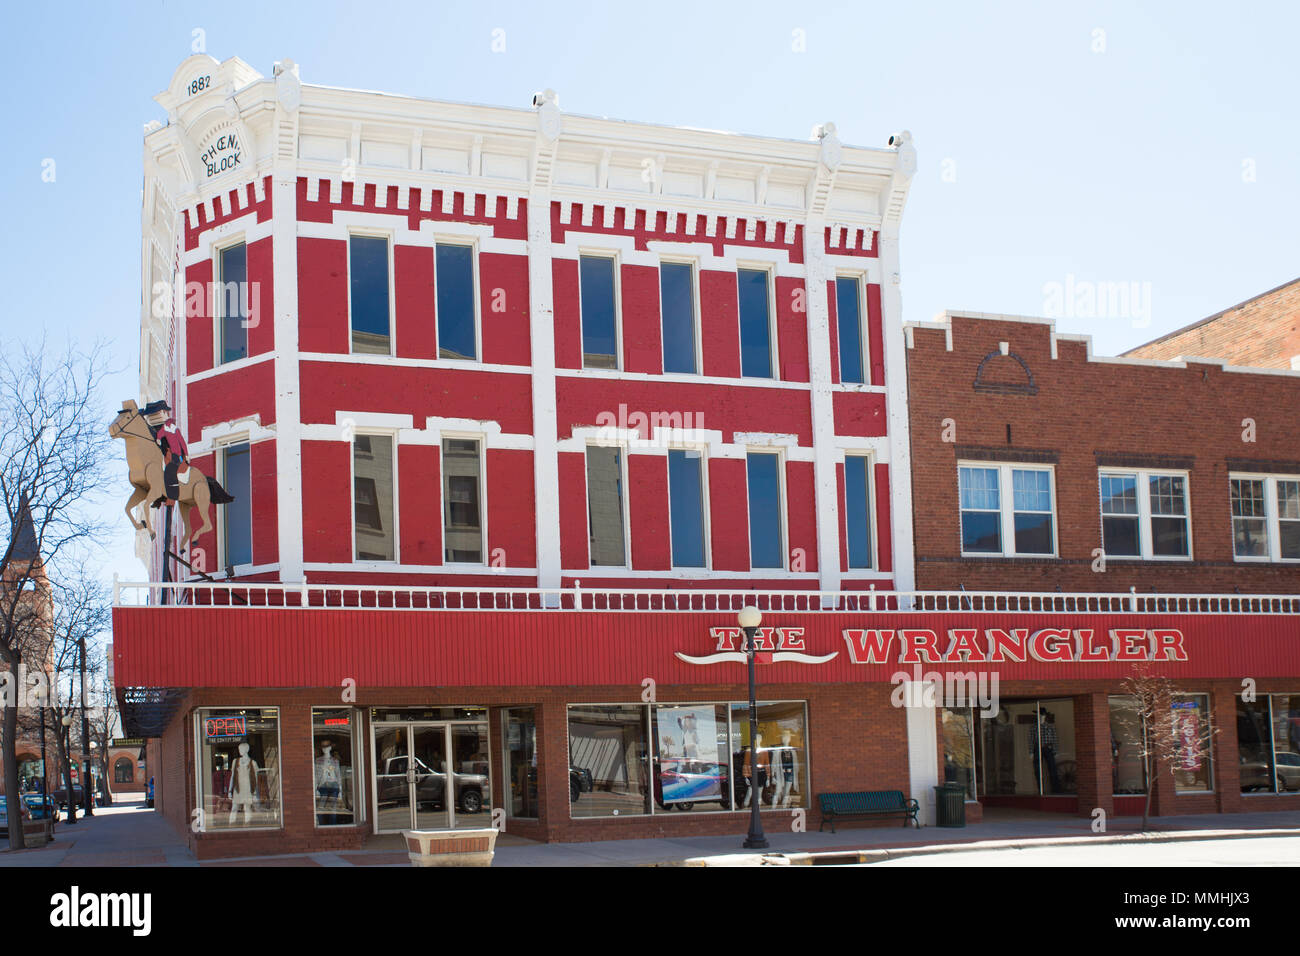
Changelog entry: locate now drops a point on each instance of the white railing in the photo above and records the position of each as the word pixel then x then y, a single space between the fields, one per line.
pixel 235 594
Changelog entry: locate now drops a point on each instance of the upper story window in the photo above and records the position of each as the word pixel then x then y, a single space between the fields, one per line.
pixel 599 312
pixel 236 544
pixel 851 337
pixel 1265 517
pixel 686 508
pixel 677 305
pixel 857 510
pixel 1007 509
pixel 756 359
pixel 462 495
pixel 374 525
pixel 763 473
pixel 232 303
pixel 370 298
pixel 605 506
pixel 454 288
pixel 1144 514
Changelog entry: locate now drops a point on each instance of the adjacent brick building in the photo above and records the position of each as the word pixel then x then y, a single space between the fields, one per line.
pixel 1263 331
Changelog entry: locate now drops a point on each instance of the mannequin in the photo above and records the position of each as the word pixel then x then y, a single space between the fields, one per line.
pixel 329 778
pixel 785 770
pixel 759 782
pixel 242 789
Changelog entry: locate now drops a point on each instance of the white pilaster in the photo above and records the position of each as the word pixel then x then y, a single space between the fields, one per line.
pixel 819 272
pixel 922 750
pixel 900 444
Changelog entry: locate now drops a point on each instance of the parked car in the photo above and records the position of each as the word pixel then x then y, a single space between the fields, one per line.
pixel 4 814
pixel 61 797
pixel 1288 771
pixel 1257 775
pixel 40 806
pixel 430 786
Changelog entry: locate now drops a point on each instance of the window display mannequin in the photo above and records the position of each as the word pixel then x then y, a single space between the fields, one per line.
pixel 764 761
pixel 329 778
pixel 242 790
pixel 785 770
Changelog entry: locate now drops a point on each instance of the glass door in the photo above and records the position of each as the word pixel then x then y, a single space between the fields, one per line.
pixel 429 783
pixel 431 775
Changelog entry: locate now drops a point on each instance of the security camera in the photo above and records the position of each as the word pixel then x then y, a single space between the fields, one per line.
pixel 898 139
pixel 538 99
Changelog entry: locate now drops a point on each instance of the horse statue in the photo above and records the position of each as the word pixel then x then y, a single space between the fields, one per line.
pixel 146 466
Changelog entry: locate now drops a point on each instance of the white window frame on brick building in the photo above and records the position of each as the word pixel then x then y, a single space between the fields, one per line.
pixel 616 265
pixel 388 238
pixel 220 301
pixel 440 242
pixel 1272 517
pixel 696 352
pixel 1006 509
pixel 1144 515
pixel 391 435
pixel 864 327
pixel 624 516
pixel 484 551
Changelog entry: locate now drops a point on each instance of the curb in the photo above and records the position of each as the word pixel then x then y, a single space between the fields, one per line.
pixel 849 857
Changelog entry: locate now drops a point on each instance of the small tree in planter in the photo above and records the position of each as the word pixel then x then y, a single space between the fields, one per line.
pixel 1167 737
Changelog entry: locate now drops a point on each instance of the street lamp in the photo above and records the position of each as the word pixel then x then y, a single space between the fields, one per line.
pixel 749 619
pixel 66 721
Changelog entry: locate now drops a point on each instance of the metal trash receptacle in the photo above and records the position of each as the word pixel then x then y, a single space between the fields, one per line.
pixel 950 804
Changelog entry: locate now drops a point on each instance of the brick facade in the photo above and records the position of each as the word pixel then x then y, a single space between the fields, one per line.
pixel 1077 412
pixel 1263 332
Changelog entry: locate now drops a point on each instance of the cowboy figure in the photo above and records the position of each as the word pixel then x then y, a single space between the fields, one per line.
pixel 172 442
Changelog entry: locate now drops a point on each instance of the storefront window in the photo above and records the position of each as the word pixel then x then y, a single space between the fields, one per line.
pixel 239 767
pixel 1127 765
pixel 782 755
pixel 608 760
pixel 1286 740
pixel 1191 727
pixel 959 747
pixel 521 762
pixel 1268 743
pixel 692 761
pixel 334 753
pixel 696 760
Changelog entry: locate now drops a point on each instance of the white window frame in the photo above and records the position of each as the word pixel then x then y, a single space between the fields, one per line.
pixel 782 507
pixel 221 449
pixel 1272 518
pixel 623 478
pixel 705 517
pixel 1145 537
pixel 472 244
pixel 613 256
pixel 481 438
pixel 392 288
pixel 774 359
pixel 219 298
pixel 1007 510
pixel 864 328
pixel 872 544
pixel 697 345
pixel 352 493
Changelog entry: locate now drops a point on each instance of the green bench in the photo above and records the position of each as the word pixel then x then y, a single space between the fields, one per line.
pixel 867 803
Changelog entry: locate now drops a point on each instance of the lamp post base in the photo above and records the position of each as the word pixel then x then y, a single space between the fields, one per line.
pixel 755 842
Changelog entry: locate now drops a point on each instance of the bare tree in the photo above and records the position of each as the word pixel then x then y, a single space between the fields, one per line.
pixel 1168 736
pixel 54 446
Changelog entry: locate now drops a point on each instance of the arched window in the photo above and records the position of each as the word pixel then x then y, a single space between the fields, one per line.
pixel 123 772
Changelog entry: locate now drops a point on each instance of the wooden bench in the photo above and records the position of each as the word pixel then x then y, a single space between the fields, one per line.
pixel 867 803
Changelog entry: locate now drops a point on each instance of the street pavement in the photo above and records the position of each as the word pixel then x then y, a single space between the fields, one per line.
pixel 127 834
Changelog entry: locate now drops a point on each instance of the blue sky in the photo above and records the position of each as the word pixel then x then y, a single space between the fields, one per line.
pixel 1058 143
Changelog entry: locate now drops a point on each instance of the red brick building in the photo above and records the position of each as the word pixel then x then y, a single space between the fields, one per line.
pixel 1037 466
pixel 1263 332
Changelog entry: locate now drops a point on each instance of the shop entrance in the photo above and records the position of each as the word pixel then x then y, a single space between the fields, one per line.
pixel 430 775
pixel 1027 755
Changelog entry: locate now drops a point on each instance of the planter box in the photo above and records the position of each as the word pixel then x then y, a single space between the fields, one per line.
pixel 451 847
pixel 38 832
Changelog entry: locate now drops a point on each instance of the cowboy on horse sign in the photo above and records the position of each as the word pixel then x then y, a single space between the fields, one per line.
pixel 159 469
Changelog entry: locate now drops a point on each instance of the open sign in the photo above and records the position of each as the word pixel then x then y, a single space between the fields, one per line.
pixel 219 729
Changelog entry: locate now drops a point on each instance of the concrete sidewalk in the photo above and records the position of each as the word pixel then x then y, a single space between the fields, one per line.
pixel 129 835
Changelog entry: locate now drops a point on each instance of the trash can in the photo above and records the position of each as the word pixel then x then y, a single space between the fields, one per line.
pixel 950 804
